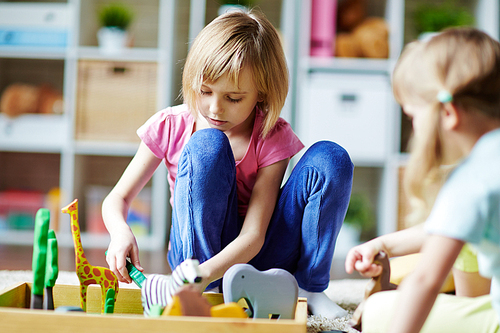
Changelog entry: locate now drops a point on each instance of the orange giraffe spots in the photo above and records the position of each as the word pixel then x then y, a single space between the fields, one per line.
pixel 88 274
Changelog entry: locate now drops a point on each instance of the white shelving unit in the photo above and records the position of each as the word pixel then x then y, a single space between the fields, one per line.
pixel 55 134
pixel 349 101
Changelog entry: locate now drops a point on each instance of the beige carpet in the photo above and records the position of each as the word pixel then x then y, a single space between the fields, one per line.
pixel 347 293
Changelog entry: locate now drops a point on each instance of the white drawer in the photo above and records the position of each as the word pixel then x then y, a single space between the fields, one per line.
pixel 34 132
pixel 35 15
pixel 351 110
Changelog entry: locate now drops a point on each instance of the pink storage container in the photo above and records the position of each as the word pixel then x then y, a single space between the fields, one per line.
pixel 323 22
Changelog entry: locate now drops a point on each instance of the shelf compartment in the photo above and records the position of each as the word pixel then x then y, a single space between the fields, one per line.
pixel 29 171
pixel 96 176
pixel 25 184
pixel 344 22
pixel 31 71
pixel 35 30
pixel 138 218
pixel 144 27
pixel 33 133
pixel 353 110
pixel 114 99
pixel 18 209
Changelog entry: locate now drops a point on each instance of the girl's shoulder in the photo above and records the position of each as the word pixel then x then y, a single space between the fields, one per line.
pixel 167 130
pixel 281 129
pixel 175 116
pixel 167 121
pixel 180 111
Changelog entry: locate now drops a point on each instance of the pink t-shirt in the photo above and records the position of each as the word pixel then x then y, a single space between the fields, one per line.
pixel 167 131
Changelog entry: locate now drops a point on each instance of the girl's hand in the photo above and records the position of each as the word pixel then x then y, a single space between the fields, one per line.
pixel 205 279
pixel 360 258
pixel 123 244
pixel 200 287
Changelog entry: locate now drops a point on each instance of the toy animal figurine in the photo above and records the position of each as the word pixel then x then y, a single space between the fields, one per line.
pixel 158 290
pixel 376 284
pixel 187 301
pixel 269 294
pixel 88 274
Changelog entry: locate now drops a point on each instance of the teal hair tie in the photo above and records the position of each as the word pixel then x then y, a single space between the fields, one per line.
pixel 444 96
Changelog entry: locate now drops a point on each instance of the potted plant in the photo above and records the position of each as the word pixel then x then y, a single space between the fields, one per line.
pixel 359 220
pixel 115 19
pixel 430 18
pixel 234 5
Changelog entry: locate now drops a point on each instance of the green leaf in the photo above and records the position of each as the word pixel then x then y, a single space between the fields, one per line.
pixel 434 17
pixel 116 15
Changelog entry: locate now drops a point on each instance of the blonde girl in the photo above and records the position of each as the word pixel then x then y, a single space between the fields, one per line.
pixel 450 87
pixel 226 150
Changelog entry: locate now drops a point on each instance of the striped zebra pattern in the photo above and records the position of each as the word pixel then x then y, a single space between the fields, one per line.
pixel 159 289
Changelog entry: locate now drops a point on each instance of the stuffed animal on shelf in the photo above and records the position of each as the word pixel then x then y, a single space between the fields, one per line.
pixel 350 14
pixel 368 40
pixel 359 35
pixel 21 98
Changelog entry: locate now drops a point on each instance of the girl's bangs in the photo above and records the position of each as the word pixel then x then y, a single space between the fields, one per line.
pixel 219 64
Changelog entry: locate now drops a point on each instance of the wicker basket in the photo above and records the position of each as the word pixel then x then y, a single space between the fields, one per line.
pixel 114 99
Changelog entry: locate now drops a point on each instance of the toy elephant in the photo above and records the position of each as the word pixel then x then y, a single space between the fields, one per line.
pixel 269 294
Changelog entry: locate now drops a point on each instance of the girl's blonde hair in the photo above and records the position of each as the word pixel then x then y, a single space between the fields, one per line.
pixel 464 62
pixel 229 43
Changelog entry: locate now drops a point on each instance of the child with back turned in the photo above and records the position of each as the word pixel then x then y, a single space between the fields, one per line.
pixel 450 87
pixel 226 150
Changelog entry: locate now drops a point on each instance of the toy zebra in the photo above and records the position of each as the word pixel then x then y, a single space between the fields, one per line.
pixel 158 289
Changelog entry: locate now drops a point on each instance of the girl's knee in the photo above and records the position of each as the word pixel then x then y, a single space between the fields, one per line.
pixel 209 146
pixel 209 139
pixel 331 157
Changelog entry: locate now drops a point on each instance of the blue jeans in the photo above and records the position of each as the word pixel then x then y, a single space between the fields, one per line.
pixel 305 224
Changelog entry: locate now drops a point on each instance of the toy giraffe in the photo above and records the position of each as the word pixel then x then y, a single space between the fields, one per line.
pixel 88 274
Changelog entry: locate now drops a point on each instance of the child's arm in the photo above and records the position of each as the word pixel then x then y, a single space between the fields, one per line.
pixel 470 284
pixel 398 243
pixel 115 208
pixel 420 289
pixel 251 238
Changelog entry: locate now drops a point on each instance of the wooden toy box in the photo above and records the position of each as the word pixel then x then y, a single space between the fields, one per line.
pixel 15 315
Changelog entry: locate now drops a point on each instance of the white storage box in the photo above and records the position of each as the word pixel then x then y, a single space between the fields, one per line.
pixel 351 110
pixel 34 24
pixel 37 132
